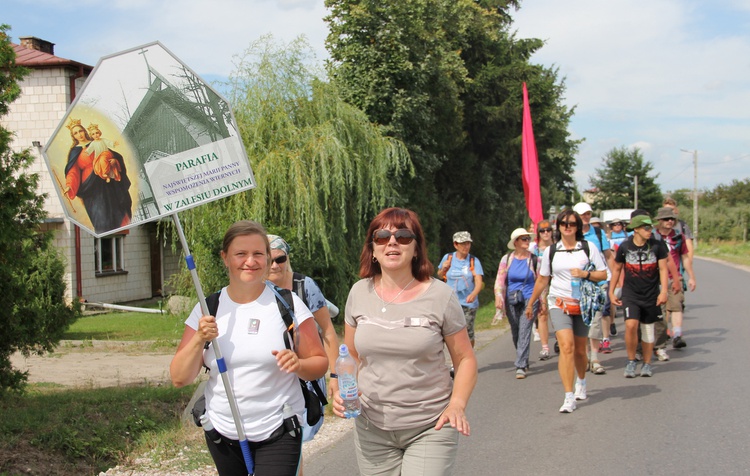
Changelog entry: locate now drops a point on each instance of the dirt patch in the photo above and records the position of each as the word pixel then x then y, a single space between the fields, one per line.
pixel 97 364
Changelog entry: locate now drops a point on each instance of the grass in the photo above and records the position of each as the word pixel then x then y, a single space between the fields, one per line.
pixel 56 431
pixel 736 252
pixel 127 326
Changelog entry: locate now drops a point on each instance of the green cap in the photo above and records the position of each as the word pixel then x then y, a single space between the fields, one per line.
pixel 639 221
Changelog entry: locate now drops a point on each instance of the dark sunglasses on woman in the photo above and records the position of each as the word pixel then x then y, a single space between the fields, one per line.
pixel 279 259
pixel 403 236
pixel 545 230
pixel 568 224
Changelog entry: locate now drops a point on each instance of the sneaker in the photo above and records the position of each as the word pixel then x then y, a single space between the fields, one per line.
pixel 537 337
pixel 605 348
pixel 568 405
pixel 596 368
pixel 630 369
pixel 646 370
pixel 544 354
pixel 612 329
pixel 557 348
pixel 580 393
pixel 678 343
pixel 638 356
pixel 662 355
pixel 520 373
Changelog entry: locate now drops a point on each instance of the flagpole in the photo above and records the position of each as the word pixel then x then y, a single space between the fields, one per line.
pixel 217 351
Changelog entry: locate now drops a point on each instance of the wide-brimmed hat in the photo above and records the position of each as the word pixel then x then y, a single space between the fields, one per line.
pixel 639 221
pixel 517 233
pixel 582 207
pixel 665 212
pixel 461 237
pixel 617 220
pixel 595 220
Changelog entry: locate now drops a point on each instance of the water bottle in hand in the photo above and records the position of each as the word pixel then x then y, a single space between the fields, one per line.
pixel 575 284
pixel 346 369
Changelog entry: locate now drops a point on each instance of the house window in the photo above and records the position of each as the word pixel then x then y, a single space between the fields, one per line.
pixel 110 255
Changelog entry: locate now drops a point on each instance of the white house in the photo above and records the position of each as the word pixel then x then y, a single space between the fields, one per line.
pixel 118 268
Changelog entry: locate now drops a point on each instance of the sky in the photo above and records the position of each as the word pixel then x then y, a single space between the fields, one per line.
pixel 670 77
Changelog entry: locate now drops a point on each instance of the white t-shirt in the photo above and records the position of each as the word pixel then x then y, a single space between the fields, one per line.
pixel 564 262
pixel 259 387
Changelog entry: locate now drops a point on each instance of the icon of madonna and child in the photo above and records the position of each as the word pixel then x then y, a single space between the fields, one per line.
pixel 96 174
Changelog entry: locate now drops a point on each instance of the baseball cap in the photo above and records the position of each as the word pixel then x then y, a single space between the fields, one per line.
pixel 582 207
pixel 461 237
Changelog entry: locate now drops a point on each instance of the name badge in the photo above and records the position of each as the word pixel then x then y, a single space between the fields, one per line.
pixel 416 322
pixel 253 327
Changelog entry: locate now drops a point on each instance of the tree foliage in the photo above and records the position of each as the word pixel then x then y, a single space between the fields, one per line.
pixel 735 193
pixel 323 170
pixel 615 181
pixel 31 272
pixel 445 77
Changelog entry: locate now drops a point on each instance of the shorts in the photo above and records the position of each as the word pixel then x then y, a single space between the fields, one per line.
pixel 644 313
pixel 470 314
pixel 675 300
pixel 561 321
pixel 595 329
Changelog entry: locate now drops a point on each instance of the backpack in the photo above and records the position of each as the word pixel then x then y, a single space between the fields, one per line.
pixel 450 258
pixel 315 397
pixel 471 267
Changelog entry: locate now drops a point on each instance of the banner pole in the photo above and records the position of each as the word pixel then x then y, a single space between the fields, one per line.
pixel 217 351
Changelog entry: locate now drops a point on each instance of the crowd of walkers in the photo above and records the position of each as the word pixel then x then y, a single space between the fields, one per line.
pixel 637 264
pixel 402 316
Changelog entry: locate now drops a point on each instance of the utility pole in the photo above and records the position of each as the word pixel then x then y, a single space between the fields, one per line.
pixel 635 200
pixel 695 196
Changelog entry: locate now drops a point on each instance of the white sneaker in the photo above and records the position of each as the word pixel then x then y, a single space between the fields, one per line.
pixel 580 393
pixel 662 355
pixel 537 337
pixel 568 405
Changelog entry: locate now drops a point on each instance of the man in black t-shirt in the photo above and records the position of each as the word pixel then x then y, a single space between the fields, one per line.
pixel 643 260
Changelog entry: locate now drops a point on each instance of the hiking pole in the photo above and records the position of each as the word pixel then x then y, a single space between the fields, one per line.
pixel 249 464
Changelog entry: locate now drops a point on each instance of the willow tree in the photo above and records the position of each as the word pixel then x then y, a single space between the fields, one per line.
pixel 323 169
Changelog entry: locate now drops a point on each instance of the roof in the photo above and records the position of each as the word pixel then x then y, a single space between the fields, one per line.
pixel 32 58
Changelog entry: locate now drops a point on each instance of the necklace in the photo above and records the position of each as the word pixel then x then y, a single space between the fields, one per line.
pixel 397 295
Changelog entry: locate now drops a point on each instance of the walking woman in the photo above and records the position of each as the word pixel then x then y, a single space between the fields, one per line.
pixel 557 272
pixel 514 284
pixel 544 238
pixel 262 371
pixel 281 274
pixel 398 320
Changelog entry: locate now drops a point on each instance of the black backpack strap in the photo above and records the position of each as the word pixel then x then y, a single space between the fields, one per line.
pixel 598 232
pixel 285 303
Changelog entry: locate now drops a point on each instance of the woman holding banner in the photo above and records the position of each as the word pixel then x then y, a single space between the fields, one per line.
pixel 262 371
pixel 108 203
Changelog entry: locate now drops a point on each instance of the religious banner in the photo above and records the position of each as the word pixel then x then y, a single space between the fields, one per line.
pixel 145 137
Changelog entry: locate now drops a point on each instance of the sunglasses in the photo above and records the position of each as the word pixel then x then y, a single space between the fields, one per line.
pixel 667 219
pixel 615 224
pixel 644 228
pixel 279 259
pixel 568 224
pixel 525 238
pixel 403 236
pixel 545 230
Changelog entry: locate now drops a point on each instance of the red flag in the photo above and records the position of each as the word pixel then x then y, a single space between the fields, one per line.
pixel 530 165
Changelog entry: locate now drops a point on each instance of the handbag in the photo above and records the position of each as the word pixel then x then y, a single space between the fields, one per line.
pixel 569 306
pixel 516 297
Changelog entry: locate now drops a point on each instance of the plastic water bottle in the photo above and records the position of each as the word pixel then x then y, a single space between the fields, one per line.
pixel 346 369
pixel 208 427
pixel 575 285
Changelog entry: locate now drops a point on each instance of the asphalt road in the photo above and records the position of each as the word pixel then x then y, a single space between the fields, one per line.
pixel 691 417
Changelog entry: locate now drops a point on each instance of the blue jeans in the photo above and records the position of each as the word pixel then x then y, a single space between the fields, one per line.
pixel 520 328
